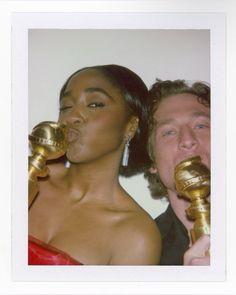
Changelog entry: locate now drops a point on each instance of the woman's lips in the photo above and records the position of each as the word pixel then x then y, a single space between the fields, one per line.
pixel 72 135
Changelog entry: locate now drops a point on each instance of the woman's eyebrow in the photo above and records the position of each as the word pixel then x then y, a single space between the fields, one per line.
pixel 98 89
pixel 89 90
pixel 66 94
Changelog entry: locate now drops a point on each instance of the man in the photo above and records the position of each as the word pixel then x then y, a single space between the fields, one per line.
pixel 179 129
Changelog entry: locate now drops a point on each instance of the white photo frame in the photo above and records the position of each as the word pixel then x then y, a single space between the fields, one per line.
pixel 21 24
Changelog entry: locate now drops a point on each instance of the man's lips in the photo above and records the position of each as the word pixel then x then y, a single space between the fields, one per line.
pixel 203 159
pixel 72 134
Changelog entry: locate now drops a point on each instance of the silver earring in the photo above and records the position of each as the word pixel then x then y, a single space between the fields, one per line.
pixel 67 164
pixel 125 157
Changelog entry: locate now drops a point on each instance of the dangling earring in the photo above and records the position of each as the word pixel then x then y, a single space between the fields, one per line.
pixel 125 157
pixel 67 164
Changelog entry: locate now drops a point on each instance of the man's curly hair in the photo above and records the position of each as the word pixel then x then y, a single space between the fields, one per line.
pixel 158 92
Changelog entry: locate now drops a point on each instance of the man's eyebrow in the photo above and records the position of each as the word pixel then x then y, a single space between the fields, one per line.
pixel 201 114
pixel 158 123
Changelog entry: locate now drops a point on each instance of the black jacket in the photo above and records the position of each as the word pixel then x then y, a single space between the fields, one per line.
pixel 175 239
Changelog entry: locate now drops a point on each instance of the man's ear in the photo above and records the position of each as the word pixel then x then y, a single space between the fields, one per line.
pixel 153 170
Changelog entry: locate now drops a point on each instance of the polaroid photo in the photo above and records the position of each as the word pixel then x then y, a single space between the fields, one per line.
pixel 48 47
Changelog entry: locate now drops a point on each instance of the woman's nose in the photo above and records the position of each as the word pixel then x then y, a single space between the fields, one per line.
pixel 187 138
pixel 72 117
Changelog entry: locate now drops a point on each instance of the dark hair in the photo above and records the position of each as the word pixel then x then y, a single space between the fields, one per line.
pixel 135 94
pixel 158 92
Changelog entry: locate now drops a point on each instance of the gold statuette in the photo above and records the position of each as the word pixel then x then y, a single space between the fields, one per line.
pixel 48 141
pixel 192 179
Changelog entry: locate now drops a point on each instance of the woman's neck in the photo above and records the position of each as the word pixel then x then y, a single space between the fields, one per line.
pixel 90 180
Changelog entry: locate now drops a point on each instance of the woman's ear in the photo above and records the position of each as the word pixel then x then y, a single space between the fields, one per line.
pixel 132 126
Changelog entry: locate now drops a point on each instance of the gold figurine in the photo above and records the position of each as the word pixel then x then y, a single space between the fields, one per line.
pixel 48 141
pixel 192 179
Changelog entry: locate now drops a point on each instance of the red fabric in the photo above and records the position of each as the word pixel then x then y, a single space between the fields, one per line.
pixel 40 253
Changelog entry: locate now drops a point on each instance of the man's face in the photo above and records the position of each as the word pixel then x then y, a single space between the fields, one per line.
pixel 181 130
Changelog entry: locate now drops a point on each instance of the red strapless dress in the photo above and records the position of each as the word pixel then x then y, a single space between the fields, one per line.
pixel 40 253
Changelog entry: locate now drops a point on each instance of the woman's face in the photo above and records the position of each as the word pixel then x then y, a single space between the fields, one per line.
pixel 96 115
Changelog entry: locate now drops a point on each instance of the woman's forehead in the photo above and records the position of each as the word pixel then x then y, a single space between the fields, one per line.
pixel 92 77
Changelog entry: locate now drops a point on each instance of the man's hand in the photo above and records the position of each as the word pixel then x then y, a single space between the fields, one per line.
pixel 198 253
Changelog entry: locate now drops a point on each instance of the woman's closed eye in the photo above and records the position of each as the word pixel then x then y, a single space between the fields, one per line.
pixel 64 108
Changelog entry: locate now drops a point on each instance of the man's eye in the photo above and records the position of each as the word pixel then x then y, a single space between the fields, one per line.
pixel 168 132
pixel 202 126
pixel 96 105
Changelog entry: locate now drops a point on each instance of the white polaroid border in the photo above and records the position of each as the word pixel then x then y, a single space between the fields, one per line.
pixel 21 23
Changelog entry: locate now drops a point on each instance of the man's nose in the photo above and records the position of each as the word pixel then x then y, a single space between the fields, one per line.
pixel 187 138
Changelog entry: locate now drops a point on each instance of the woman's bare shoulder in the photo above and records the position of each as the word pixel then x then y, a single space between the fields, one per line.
pixel 143 222
pixel 137 213
pixel 141 239
pixel 138 244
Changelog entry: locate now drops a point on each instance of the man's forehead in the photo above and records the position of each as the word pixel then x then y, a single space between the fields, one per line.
pixel 171 114
pixel 181 102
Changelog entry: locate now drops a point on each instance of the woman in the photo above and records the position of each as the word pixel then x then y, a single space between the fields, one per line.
pixel 82 213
